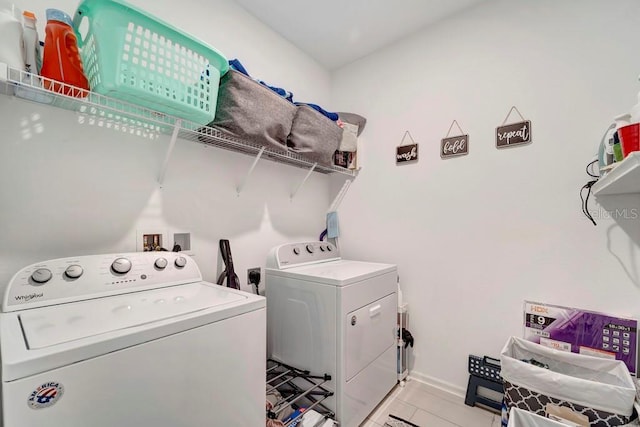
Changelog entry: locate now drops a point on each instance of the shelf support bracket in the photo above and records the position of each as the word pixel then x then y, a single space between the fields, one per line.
pixel 172 144
pixel 303 181
pixel 338 199
pixel 253 166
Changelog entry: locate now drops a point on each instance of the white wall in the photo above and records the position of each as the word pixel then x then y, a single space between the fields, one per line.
pixel 476 236
pixel 72 189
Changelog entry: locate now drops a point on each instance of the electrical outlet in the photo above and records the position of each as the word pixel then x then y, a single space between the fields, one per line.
pixel 251 275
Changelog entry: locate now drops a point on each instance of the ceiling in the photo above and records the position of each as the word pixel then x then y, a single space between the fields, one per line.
pixel 336 32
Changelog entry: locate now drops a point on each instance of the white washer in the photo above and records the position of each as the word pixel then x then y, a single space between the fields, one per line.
pixel 334 316
pixel 130 340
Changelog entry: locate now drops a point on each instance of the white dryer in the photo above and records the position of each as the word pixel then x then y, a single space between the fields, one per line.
pixel 334 316
pixel 130 340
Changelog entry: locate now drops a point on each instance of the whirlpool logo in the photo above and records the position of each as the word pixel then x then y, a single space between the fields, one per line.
pixel 28 297
pixel 46 395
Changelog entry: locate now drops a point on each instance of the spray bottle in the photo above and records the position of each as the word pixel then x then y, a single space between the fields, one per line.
pixel 31 45
pixel 32 62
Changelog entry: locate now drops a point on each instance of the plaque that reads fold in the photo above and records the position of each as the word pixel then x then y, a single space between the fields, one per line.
pixel 454 146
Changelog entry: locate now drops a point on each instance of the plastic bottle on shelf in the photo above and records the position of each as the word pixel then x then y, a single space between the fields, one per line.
pixel 635 112
pixel 32 55
pixel 621 121
pixel 11 30
pixel 61 56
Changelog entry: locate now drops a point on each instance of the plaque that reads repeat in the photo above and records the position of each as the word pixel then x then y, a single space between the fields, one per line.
pixel 454 146
pixel 513 134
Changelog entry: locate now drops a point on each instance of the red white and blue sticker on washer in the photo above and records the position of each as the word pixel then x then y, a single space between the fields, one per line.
pixel 46 395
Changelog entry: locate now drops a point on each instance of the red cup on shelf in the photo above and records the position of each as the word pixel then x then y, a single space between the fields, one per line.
pixel 629 138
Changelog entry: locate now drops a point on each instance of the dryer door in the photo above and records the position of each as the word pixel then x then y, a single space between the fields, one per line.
pixel 370 331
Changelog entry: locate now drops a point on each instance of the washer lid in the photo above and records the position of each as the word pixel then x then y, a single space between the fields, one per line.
pixel 337 273
pixel 49 326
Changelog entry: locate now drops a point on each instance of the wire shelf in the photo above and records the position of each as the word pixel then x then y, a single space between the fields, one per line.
pixel 125 117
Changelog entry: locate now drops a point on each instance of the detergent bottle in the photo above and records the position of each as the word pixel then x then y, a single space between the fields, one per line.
pixel 61 60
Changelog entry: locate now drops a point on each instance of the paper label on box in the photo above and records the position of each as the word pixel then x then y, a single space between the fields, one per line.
pixel 557 345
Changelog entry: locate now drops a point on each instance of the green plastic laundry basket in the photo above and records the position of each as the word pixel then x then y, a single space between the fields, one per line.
pixel 135 57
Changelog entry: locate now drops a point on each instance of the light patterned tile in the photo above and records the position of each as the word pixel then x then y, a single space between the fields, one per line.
pixel 456 413
pixel 414 384
pixel 396 407
pixel 369 423
pixel 427 419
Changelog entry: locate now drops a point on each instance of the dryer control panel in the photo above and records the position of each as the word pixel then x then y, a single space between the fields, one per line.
pixel 80 278
pixel 297 254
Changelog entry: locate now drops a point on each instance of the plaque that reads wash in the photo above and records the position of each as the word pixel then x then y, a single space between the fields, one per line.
pixel 407 152
pixel 582 331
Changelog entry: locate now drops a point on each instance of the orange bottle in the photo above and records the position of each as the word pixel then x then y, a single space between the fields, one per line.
pixel 61 60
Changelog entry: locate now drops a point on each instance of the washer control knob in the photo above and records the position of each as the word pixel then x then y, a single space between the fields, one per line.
pixel 310 249
pixel 296 251
pixel 121 266
pixel 41 276
pixel 329 248
pixel 322 249
pixel 73 271
pixel 161 263
pixel 180 262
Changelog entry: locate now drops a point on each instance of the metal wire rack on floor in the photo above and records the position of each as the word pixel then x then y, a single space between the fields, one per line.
pixel 298 389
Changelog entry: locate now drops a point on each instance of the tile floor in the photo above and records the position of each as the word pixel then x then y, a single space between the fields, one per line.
pixel 428 406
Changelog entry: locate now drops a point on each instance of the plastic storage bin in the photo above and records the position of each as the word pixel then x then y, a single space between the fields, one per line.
pixel 135 57
pixel 536 376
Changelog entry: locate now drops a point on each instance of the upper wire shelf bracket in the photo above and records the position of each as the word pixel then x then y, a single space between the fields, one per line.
pixel 102 111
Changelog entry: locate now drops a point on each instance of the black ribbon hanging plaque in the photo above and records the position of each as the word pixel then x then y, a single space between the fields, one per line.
pixel 453 146
pixel 407 152
pixel 514 134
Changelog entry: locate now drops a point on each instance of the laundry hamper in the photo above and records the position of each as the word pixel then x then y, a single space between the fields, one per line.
pixel 134 57
pixel 535 376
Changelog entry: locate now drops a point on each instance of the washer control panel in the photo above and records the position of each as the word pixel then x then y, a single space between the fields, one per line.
pixel 79 278
pixel 296 254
